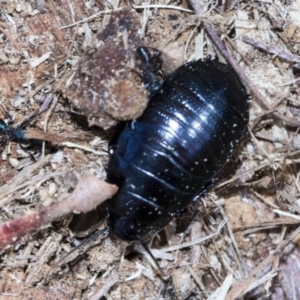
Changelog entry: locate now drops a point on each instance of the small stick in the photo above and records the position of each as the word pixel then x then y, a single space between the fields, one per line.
pixel 295 122
pixel 13 42
pixel 57 138
pixel 241 287
pixel 88 194
pixel 36 113
pixel 272 49
pixel 110 282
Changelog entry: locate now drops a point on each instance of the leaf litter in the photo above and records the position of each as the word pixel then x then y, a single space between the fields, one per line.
pixel 256 252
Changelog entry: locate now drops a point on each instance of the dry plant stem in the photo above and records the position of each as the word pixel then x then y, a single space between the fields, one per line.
pixel 243 58
pixel 268 224
pixel 27 175
pixel 161 6
pixel 259 167
pixel 294 122
pixel 198 241
pixel 47 101
pixel 236 250
pixel 88 194
pixel 258 119
pixel 91 17
pixel 272 50
pixel 275 264
pixel 197 279
pixel 221 292
pixel 260 197
pixel 12 40
pixel 57 138
pixel 47 119
pixel 111 281
pixel 40 87
pixel 241 287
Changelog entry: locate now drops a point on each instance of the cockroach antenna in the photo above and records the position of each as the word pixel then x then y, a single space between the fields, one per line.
pixel 163 274
pixel 85 242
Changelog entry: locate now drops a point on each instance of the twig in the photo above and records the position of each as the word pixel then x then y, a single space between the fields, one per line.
pixel 46 103
pixel 221 292
pixel 11 39
pixel 57 138
pixel 198 241
pixel 111 281
pixel 295 122
pixel 241 287
pixel 48 115
pixel 91 17
pixel 81 147
pixel 272 50
pixel 25 178
pixel 88 194
pixel 162 6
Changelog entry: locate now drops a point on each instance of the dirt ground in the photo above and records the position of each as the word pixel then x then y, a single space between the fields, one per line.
pixel 241 239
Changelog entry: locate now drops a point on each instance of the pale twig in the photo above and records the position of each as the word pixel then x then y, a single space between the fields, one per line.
pixel 162 6
pixel 91 17
pixel 197 241
pixel 88 149
pixel 286 214
pixel 256 276
pixel 46 121
pixel 88 194
pixel 295 122
pixel 272 49
pixel 111 281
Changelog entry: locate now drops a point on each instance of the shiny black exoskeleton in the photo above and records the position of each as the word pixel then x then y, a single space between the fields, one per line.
pixel 164 159
pixel 150 65
pixel 10 133
pixel 16 134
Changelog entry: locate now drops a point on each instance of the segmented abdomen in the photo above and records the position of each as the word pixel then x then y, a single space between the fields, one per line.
pixel 167 156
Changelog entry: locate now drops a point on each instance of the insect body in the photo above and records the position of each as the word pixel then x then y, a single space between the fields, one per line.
pixel 11 134
pixel 150 65
pixel 164 159
pixel 18 134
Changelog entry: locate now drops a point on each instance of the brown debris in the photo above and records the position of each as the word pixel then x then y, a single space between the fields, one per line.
pixel 245 216
pixel 107 86
pixel 57 137
pixel 63 290
pixel 272 49
pixel 240 287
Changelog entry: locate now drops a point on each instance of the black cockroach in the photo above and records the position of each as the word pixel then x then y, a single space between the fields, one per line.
pixel 164 160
